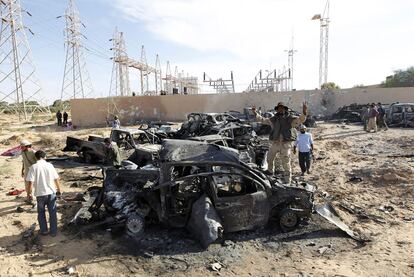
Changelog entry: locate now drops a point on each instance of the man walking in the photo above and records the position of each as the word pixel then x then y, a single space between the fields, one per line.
pixel 112 155
pixel 29 159
pixel 44 179
pixel 281 137
pixel 304 143
pixel 372 118
pixel 59 118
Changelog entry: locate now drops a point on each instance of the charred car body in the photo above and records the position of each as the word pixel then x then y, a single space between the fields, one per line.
pixel 351 113
pixel 201 186
pixel 138 146
pixel 202 124
pixel 400 114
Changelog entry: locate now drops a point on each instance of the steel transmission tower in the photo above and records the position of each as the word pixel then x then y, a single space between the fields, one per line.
pixel 76 80
pixel 19 87
pixel 291 52
pixel 120 85
pixel 324 42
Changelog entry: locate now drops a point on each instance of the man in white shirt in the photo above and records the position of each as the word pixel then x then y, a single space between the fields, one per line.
pixel 116 124
pixel 304 143
pixel 42 176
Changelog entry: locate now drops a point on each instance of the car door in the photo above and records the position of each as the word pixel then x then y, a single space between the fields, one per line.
pixel 397 115
pixel 240 202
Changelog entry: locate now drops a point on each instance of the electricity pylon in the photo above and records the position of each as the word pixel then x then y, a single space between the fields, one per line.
pixel 76 80
pixel 120 85
pixel 324 43
pixel 158 76
pixel 19 86
pixel 291 52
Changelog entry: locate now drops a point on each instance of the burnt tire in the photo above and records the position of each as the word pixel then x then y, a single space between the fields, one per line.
pixel 288 220
pixel 135 225
pixel 87 158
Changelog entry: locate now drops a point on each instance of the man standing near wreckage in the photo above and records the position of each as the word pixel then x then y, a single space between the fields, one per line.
pixel 29 159
pixel 112 154
pixel 282 136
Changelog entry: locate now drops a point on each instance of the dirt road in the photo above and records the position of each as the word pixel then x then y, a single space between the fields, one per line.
pixel 368 177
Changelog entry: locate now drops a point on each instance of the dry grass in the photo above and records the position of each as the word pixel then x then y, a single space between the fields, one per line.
pixel 5 169
pixel 47 140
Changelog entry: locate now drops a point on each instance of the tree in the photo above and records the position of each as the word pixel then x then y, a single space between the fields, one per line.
pixel 401 78
pixel 330 85
pixel 359 86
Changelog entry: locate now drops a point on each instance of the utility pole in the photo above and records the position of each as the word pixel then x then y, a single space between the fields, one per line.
pixel 120 85
pixel 158 76
pixel 19 87
pixel 291 52
pixel 76 80
pixel 324 43
pixel 144 72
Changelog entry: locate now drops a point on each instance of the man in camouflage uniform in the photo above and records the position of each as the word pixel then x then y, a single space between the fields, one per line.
pixel 29 159
pixel 282 136
pixel 112 155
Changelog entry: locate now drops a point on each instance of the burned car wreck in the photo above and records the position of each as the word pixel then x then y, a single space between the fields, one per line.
pixel 198 186
pixel 138 146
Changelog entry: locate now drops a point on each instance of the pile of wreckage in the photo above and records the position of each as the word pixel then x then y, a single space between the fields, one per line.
pixel 207 177
pixel 396 114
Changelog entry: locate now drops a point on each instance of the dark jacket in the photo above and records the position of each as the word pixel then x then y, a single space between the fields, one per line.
pixel 282 125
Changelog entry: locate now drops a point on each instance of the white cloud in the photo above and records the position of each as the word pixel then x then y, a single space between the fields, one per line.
pixel 366 38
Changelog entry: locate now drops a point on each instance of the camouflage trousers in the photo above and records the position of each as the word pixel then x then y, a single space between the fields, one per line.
pixel 279 157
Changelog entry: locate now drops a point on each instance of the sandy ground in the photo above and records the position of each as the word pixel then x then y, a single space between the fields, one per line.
pixel 379 205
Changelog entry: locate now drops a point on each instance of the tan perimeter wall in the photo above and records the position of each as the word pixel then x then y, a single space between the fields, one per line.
pixel 93 112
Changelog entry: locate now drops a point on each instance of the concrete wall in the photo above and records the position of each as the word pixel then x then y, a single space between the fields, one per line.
pixel 93 112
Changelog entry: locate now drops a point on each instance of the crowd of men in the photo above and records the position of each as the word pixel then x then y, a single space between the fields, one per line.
pixel 374 118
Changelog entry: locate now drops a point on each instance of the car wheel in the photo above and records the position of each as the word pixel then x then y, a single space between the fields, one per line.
pixel 135 225
pixel 87 158
pixel 288 220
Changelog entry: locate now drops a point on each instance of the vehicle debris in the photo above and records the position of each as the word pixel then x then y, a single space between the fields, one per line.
pixel 215 266
pixel 400 115
pixel 329 213
pixel 137 146
pixel 202 187
pixel 351 113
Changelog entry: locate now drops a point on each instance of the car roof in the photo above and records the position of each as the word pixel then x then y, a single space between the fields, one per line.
pixel 403 104
pixel 132 131
pixel 209 138
pixel 187 150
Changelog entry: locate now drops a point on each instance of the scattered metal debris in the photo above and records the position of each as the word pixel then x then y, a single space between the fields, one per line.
pixel 329 213
pixel 215 266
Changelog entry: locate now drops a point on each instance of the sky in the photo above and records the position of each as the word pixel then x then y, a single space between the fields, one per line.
pixel 368 39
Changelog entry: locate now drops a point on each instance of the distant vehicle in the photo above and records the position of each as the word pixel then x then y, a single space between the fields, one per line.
pixel 350 113
pixel 400 114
